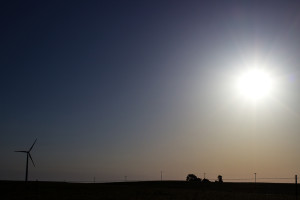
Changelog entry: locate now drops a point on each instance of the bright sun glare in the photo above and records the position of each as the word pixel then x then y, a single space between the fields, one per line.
pixel 255 84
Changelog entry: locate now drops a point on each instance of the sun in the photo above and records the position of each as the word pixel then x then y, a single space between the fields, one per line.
pixel 255 84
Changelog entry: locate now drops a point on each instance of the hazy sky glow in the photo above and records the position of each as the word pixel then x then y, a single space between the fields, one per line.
pixel 130 88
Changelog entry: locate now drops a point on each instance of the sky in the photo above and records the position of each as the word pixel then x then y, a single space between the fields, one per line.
pixel 132 88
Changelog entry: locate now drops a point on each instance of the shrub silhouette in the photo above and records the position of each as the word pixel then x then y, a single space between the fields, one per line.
pixel 192 178
pixel 205 180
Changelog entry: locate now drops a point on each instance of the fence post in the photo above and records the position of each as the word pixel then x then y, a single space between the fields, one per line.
pixel 296 186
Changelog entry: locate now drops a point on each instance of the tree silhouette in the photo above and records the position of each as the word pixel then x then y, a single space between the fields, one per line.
pixel 220 179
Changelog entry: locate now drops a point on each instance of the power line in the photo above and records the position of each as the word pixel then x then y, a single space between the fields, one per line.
pixel 275 178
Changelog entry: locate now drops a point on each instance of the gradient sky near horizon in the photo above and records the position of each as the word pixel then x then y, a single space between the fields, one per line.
pixel 130 88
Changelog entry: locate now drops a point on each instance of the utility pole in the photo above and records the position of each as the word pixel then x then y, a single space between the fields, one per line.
pixel 161 175
pixel 296 186
pixel 255 177
pixel 204 175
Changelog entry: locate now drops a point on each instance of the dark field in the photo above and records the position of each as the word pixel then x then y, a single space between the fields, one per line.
pixel 146 190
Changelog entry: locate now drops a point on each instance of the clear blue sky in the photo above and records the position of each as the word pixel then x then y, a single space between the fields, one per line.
pixel 130 88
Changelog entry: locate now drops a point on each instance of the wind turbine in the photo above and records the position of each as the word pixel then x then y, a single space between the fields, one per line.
pixel 28 155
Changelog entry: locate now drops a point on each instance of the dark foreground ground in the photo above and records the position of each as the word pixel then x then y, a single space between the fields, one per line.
pixel 170 190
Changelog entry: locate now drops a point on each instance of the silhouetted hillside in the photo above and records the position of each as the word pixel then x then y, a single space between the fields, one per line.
pixel 146 190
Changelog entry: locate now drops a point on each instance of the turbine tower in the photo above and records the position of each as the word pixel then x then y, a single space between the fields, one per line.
pixel 28 155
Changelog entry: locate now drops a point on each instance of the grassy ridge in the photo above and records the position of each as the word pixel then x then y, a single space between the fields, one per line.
pixel 146 190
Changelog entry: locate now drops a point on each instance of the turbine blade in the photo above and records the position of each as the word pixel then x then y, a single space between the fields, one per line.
pixel 22 151
pixel 31 159
pixel 32 145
